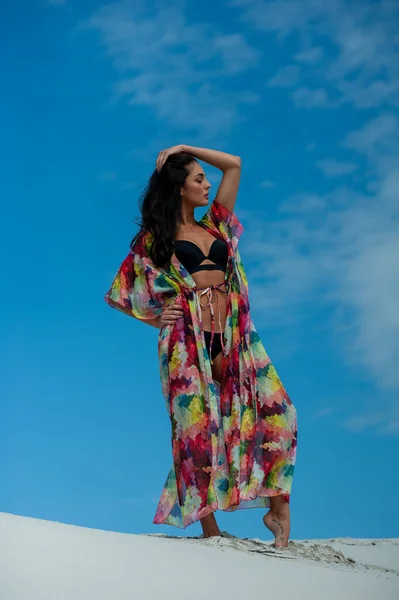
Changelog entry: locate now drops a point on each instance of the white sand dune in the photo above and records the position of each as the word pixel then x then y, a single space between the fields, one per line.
pixel 45 560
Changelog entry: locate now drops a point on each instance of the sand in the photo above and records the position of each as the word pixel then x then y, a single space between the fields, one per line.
pixel 45 560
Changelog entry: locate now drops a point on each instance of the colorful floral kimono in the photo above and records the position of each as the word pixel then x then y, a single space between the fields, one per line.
pixel 234 443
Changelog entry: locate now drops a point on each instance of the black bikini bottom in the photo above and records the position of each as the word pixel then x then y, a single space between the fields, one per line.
pixel 216 344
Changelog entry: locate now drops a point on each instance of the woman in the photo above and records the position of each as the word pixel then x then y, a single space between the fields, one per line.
pixel 233 425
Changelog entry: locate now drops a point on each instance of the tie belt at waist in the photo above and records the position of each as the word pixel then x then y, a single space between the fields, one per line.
pixel 209 292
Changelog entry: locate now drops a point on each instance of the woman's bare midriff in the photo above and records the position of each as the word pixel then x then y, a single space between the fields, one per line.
pixel 203 279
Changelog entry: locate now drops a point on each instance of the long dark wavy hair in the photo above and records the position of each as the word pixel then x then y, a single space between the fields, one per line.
pixel 160 206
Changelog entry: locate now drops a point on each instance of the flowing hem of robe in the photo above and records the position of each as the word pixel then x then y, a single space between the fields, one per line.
pixel 261 499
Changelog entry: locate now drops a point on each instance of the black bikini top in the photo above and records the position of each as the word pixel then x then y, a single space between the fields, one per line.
pixel 191 256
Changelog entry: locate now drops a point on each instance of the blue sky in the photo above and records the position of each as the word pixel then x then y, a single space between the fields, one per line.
pixel 307 94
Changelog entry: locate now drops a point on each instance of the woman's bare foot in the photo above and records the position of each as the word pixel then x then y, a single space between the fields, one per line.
pixel 209 526
pixel 278 521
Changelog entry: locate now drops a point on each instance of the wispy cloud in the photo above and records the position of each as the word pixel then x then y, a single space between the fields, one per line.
pixel 362 422
pixel 323 412
pixel 310 98
pixel 286 77
pixel 235 53
pixel 376 139
pixel 335 168
pixel 184 72
pixel 310 147
pixel 363 66
pixel 267 185
pixel 338 249
pixel 311 56
pixel 342 252
pixel 110 176
pixel 381 421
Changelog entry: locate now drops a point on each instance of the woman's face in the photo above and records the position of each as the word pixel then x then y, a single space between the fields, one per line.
pixel 195 191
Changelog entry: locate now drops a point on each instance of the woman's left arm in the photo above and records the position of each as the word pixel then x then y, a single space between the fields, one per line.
pixel 231 167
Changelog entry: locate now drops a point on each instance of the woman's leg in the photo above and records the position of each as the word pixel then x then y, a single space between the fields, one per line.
pixel 278 517
pixel 278 520
pixel 210 527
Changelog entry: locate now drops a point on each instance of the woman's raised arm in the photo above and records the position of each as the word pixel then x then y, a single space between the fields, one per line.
pixel 229 164
pixel 231 167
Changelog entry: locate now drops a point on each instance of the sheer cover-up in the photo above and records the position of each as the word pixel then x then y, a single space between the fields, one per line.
pixel 233 444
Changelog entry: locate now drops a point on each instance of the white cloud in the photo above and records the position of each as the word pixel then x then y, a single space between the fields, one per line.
pixel 235 53
pixel 248 97
pixel 110 176
pixel 340 250
pixel 310 98
pixel 182 71
pixel 371 94
pixel 286 77
pixel 127 186
pixel 335 168
pixel 304 203
pixel 376 139
pixel 362 65
pixel 323 412
pixel 310 147
pixel 391 426
pixel 280 16
pixel 311 56
pixel 383 421
pixel 267 185
pixel 361 422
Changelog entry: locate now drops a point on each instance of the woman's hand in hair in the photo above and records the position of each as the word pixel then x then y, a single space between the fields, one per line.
pixel 163 155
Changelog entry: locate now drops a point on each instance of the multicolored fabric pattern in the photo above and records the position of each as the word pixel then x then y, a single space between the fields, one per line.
pixel 233 444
